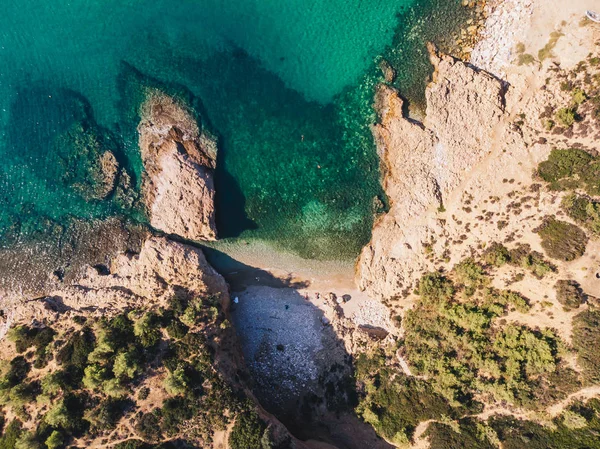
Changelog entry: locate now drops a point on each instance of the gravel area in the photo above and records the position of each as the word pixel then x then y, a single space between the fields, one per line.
pixel 285 343
pixel 504 28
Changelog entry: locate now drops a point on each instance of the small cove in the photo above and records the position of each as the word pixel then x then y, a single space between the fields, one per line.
pixel 287 90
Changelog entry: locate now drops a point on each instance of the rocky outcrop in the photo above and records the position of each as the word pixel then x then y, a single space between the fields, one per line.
pixel 161 270
pixel 423 163
pixel 179 159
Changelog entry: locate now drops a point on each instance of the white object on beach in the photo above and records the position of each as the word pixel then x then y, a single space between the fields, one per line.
pixel 594 16
pixel 236 300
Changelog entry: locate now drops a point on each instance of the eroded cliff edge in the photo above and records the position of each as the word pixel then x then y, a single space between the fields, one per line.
pixel 423 163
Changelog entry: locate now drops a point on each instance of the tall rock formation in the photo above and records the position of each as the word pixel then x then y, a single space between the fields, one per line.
pixel 423 163
pixel 179 159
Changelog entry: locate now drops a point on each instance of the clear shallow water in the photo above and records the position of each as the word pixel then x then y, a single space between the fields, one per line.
pixel 287 87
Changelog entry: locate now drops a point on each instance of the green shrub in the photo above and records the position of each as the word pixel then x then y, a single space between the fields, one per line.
pixel 18 371
pixel 25 337
pixel 457 347
pixel 569 294
pixel 148 426
pixel 11 434
pixel 174 412
pixel 562 240
pixel 518 434
pixel 468 435
pixel 94 376
pixel 571 169
pixel 143 393
pixel 27 440
pixel 75 352
pixel 58 416
pixel 564 164
pixel 108 413
pixel 127 365
pixel 147 330
pixel 578 96
pixel 586 341
pixel 583 210
pixel 24 393
pixel 114 388
pixel 247 431
pixel 55 440
pixel 177 330
pixel 496 255
pixel 572 420
pixel 177 382
pixel 435 287
pixel 393 403
pixel 566 117
pixel 471 275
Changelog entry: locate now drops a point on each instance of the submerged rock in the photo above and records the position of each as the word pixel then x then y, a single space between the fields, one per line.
pixel 179 159
pixel 88 165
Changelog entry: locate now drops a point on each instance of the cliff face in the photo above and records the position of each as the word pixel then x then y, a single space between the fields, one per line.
pixel 179 160
pixel 424 162
pixel 161 270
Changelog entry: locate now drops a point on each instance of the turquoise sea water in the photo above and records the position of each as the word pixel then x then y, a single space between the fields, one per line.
pixel 286 85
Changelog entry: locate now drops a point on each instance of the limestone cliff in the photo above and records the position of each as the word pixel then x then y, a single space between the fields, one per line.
pixel 179 159
pixel 424 162
pixel 162 269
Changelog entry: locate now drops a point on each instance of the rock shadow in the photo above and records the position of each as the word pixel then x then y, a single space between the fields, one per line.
pixel 300 370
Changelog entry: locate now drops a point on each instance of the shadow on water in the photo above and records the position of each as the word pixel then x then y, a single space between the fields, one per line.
pixel 230 201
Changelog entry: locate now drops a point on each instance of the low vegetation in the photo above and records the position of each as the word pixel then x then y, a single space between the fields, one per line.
pixel 576 428
pixel 561 240
pixel 569 294
pixel 457 345
pixel 586 341
pixel 106 368
pixel 571 169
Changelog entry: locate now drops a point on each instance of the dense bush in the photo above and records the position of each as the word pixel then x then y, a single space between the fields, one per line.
pixel 583 210
pixel 470 274
pixel 456 346
pixel 147 330
pixel 562 240
pixel 571 169
pixel 392 403
pixel 107 414
pixel 10 435
pixel 98 369
pixel 435 287
pixel 25 337
pixel 247 432
pixel 467 434
pixel 517 434
pixel 75 352
pixel 569 294
pixel 586 342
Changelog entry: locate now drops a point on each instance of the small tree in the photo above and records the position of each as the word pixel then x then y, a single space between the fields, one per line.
pixel 27 440
pixel 147 330
pixel 126 365
pixel 55 440
pixel 94 375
